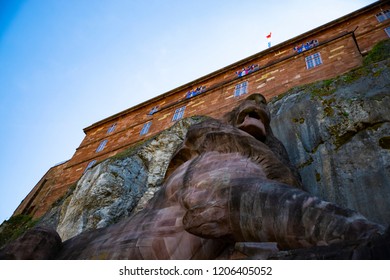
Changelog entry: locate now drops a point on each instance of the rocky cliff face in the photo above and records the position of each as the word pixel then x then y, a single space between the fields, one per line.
pixel 337 133
pixel 120 186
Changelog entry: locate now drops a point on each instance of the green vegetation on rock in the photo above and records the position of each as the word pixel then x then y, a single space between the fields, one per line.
pixel 15 227
pixel 379 52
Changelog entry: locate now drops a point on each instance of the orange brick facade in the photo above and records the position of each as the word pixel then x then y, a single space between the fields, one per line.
pixel 339 47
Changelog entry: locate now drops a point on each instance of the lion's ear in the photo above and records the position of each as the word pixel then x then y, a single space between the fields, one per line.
pixel 258 98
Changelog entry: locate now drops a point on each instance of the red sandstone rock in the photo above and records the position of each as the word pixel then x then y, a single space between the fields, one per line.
pixel 36 244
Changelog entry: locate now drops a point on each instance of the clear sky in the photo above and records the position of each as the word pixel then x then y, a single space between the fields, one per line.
pixel 65 64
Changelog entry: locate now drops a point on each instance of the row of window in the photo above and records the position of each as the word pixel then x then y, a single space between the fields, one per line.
pixel 312 61
pixel 179 113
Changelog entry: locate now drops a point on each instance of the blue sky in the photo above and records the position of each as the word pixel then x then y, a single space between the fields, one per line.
pixel 65 64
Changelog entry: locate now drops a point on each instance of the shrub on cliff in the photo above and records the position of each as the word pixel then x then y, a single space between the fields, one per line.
pixel 15 227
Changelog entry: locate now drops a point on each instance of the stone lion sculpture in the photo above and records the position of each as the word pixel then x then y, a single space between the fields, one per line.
pixel 229 183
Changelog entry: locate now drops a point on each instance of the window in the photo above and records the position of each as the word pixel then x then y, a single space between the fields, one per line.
pixel 89 165
pixel 101 146
pixel 247 70
pixel 195 92
pixel 241 89
pixel 153 110
pixel 306 46
pixel 62 162
pixel 111 128
pixel 145 128
pixel 313 60
pixel 179 113
pixel 382 16
pixel 387 30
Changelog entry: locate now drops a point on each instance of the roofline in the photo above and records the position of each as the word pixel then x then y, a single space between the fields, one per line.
pixel 275 48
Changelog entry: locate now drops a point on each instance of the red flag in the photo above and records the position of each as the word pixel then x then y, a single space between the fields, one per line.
pixel 269 39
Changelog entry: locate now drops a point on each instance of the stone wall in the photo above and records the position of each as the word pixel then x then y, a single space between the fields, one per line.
pixel 337 133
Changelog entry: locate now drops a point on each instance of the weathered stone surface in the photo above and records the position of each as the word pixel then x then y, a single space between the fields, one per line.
pixel 113 189
pixel 36 244
pixel 376 248
pixel 103 195
pixel 335 133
